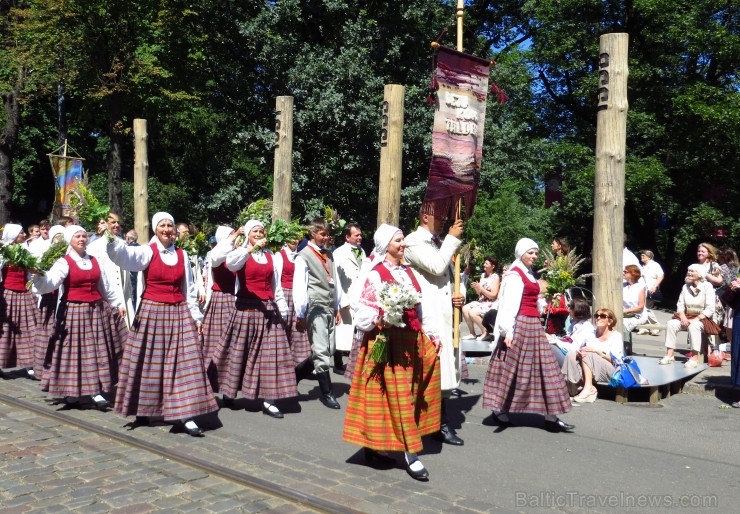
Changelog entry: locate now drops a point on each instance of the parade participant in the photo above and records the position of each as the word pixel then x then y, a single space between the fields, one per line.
pixel 300 346
pixel 32 233
pixel 393 403
pixel 348 259
pixel 84 355
pixel 117 278
pixel 253 355
pixel 19 315
pixel 433 264
pixel 43 242
pixel 523 375
pixel 183 233
pixel 317 298
pixel 132 239
pixel 221 283
pixel 48 308
pixel 162 372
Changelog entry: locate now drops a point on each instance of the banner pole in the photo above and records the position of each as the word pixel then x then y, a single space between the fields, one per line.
pixel 456 311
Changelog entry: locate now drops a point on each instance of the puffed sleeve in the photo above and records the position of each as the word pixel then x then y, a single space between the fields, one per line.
pixel 129 258
pixel 365 307
pixel 237 258
pixel 510 299
pixel 53 278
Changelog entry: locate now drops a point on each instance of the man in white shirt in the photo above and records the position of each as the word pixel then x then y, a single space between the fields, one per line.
pixel 348 259
pixel 118 279
pixel 317 296
pixel 40 244
pixel 432 261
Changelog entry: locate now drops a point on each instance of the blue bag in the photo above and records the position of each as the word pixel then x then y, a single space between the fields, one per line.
pixel 627 373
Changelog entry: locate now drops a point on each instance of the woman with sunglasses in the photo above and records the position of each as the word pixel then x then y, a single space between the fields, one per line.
pixel 593 362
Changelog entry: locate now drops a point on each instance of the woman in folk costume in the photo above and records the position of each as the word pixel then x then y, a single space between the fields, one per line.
pixel 162 372
pixel 84 354
pixel 222 282
pixel 19 315
pixel 523 375
pixel 253 355
pixel 300 346
pixel 48 307
pixel 392 404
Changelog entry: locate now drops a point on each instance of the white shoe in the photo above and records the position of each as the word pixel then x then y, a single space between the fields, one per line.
pixel 667 360
pixel 468 337
pixel 643 332
pixel 690 364
pixel 655 332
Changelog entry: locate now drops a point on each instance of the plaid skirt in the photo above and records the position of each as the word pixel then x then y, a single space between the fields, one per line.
pixel 47 316
pixel 357 340
pixel 82 359
pixel 300 346
pixel 162 371
pixel 253 355
pixel 19 318
pixel 525 377
pixel 392 405
pixel 215 322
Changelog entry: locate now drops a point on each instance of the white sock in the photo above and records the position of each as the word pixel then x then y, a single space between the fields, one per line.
pixel 271 407
pixel 98 398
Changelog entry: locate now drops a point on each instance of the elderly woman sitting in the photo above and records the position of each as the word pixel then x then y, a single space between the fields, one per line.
pixel 695 304
pixel 593 362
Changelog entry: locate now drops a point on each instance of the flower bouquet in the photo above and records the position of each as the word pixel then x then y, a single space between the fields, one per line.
pixel 397 302
pixel 561 272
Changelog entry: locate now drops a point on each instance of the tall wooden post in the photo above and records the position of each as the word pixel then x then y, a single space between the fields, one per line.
pixel 611 142
pixel 141 174
pixel 391 155
pixel 283 169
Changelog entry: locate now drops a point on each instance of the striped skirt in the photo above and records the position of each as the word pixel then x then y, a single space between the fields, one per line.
pixel 357 340
pixel 392 405
pixel 215 322
pixel 162 371
pixel 253 355
pixel 19 319
pixel 118 327
pixel 525 377
pixel 47 316
pixel 83 358
pixel 300 346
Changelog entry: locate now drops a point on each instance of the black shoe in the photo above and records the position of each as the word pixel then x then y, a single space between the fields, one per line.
pixel 558 426
pixel 30 373
pixel 141 421
pixel 375 456
pixel 339 370
pixel 271 413
pixel 448 436
pixel 330 401
pixel 180 428
pixel 422 474
pixel 228 402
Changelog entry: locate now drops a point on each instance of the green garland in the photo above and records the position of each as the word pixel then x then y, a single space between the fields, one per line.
pixel 88 208
pixel 196 245
pixel 53 254
pixel 16 255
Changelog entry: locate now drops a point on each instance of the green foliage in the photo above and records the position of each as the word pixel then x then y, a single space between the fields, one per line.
pixel 55 252
pixel 85 206
pixel 280 232
pixel 17 255
pixel 194 245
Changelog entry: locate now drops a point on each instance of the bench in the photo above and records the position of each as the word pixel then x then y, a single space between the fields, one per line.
pixel 663 380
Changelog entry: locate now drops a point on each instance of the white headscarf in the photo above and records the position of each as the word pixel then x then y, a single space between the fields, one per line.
pixel 161 216
pixel 248 226
pixel 523 246
pixel 222 232
pixel 71 230
pixel 382 238
pixel 54 231
pixel 11 232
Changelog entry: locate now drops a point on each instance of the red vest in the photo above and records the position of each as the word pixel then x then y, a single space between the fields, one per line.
pixel 255 279
pixel 386 276
pixel 81 285
pixel 163 283
pixel 531 292
pixel 14 278
pixel 286 278
pixel 224 279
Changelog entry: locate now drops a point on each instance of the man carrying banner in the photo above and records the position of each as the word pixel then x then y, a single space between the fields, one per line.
pixel 432 261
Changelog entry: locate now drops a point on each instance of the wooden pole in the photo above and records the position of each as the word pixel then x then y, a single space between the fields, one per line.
pixel 611 142
pixel 458 209
pixel 141 174
pixel 283 169
pixel 391 155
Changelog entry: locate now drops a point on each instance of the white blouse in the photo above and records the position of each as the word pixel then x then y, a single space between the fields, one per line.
pixel 237 258
pixel 54 278
pixel 138 258
pixel 510 299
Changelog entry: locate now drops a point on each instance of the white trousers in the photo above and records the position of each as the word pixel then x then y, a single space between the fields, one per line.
pixel 695 330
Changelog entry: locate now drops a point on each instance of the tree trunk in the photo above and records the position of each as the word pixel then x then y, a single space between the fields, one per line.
pixel 114 154
pixel 8 140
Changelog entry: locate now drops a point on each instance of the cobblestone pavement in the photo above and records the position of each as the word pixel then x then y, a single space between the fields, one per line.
pixel 50 466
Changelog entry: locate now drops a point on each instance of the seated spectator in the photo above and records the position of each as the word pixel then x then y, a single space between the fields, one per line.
pixel 593 362
pixel 695 303
pixel 728 263
pixel 579 333
pixel 634 296
pixel 487 289
pixel 652 274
